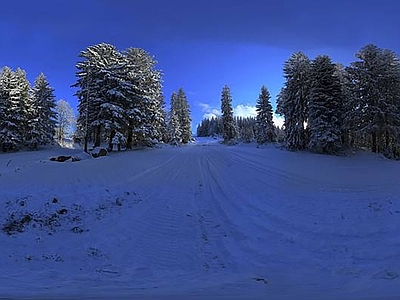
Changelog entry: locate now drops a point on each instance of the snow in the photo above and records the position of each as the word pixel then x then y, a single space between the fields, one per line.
pixel 202 221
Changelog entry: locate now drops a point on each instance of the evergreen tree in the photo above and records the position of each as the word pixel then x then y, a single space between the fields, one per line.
pixel 42 115
pixel 23 109
pixel 146 109
pixel 325 107
pixel 34 134
pixel 229 130
pixel 174 126
pixel 374 112
pixel 203 128
pixel 10 134
pixel 174 130
pixel 162 124
pixel 183 112
pixel 210 127
pixel 119 92
pixel 293 99
pixel 245 127
pixel 342 74
pixel 103 93
pixel 265 130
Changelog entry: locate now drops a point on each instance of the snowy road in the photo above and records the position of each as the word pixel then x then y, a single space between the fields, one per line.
pixel 203 221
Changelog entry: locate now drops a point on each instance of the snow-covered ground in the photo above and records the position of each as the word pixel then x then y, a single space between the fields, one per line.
pixel 203 221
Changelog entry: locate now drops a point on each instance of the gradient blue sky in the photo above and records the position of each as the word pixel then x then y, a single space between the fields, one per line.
pixel 200 45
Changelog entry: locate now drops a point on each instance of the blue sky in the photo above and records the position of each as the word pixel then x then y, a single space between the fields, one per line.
pixel 200 45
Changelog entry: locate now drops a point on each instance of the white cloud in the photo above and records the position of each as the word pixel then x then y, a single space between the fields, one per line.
pixel 244 111
pixel 208 110
pixel 204 106
pixel 209 115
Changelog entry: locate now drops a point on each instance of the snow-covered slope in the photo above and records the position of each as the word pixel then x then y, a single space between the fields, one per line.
pixel 200 221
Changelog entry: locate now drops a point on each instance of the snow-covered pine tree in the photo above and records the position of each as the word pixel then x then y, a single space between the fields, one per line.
pixel 203 128
pixel 174 130
pixel 374 111
pixel 174 126
pixel 114 92
pixel 34 133
pixel 325 107
pixel 21 97
pixel 341 73
pixel 265 129
pixel 42 120
pixel 293 98
pixel 229 130
pixel 65 120
pixel 119 92
pixel 162 123
pixel 146 108
pixel 4 103
pixel 15 92
pixel 10 134
pixel 103 102
pixel 210 127
pixel 245 128
pixel 88 100
pixel 183 112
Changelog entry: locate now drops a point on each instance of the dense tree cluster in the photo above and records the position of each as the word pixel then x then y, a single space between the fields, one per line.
pixel 119 92
pixel 373 108
pixel 27 115
pixel 179 121
pixel 210 127
pixel 246 128
pixel 261 128
pixel 328 107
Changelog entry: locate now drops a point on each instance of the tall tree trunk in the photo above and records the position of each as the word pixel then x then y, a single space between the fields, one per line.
pixel 387 138
pixel 110 144
pixel 129 139
pixel 374 144
pixel 97 138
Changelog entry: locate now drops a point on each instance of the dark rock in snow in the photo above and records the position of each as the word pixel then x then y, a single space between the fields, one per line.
pixel 61 158
pixel 98 151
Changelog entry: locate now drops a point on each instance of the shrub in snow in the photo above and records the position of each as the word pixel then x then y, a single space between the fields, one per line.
pixel 118 140
pixel 15 224
pixel 28 214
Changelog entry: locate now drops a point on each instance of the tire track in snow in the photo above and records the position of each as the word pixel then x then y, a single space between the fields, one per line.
pixel 258 161
pixel 162 238
pixel 306 228
pixel 212 223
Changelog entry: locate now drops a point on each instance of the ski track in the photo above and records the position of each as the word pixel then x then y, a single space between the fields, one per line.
pixel 209 220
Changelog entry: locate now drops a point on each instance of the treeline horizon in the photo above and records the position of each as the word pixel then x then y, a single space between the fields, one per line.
pixel 327 107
